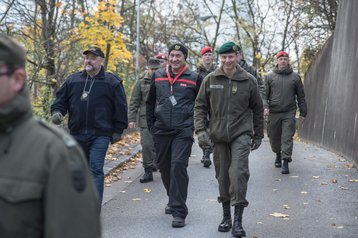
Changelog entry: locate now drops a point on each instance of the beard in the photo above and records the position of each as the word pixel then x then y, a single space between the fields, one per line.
pixel 89 68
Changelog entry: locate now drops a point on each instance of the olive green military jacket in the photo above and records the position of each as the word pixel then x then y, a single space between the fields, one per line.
pixel 284 91
pixel 137 107
pixel 46 189
pixel 234 106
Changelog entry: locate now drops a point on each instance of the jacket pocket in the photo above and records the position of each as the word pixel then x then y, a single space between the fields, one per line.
pixel 16 191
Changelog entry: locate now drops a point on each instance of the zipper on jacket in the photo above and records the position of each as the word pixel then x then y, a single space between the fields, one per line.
pixel 228 110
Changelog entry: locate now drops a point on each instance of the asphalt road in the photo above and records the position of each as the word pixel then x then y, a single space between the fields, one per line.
pixel 319 197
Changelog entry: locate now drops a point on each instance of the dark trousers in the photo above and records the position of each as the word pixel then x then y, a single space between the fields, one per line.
pixel 280 130
pixel 173 151
pixel 95 148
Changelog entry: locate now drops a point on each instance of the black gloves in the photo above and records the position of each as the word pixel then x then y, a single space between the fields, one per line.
pixel 255 143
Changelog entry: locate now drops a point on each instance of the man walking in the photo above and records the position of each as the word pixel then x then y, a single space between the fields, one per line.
pixel 284 90
pixel 231 98
pixel 137 108
pixel 96 103
pixel 252 70
pixel 205 67
pixel 170 109
pixel 46 189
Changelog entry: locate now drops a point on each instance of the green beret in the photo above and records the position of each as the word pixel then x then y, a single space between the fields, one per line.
pixel 11 53
pixel 228 47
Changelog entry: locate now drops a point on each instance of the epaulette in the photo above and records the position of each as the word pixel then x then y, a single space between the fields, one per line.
pixel 66 138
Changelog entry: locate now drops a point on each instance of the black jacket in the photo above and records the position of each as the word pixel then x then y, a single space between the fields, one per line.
pixel 105 110
pixel 163 112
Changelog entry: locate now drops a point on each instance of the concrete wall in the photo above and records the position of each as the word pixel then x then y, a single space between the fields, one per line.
pixel 331 87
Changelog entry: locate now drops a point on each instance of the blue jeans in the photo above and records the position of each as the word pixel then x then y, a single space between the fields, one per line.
pixel 95 148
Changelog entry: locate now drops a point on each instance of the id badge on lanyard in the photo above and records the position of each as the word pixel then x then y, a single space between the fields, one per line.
pixel 172 82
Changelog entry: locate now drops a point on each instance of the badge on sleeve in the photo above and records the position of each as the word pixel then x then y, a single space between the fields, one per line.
pixel 78 179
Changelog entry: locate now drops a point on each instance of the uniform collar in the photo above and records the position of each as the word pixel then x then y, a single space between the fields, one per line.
pixel 15 112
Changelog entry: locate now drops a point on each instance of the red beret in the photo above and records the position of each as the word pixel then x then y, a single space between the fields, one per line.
pixel 206 50
pixel 161 56
pixel 281 54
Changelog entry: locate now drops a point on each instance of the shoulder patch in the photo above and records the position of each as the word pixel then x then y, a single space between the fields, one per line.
pixel 68 140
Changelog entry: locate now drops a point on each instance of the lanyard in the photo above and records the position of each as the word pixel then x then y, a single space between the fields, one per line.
pixel 173 80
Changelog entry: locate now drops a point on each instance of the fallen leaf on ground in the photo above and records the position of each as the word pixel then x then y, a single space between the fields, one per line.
pixel 122 191
pixel 136 199
pixel 128 181
pixel 305 203
pixel 315 177
pixel 340 227
pixel 285 206
pixel 324 183
pixel 353 180
pixel 343 188
pixel 278 179
pixel 294 176
pixel 334 181
pixel 147 190
pixel 211 200
pixel 279 215
pixel 304 192
pixel 108 185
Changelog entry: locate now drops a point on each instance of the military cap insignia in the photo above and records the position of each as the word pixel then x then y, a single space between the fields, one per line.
pixel 235 48
pixel 177 47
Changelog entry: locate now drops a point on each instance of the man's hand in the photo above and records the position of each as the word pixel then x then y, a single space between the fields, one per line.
pixel 255 143
pixel 132 125
pixel 116 137
pixel 204 140
pixel 266 112
pixel 57 118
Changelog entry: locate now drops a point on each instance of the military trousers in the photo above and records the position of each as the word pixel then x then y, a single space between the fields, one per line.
pixel 148 151
pixel 231 161
pixel 173 152
pixel 280 130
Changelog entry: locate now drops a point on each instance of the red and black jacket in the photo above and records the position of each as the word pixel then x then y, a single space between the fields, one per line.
pixel 170 104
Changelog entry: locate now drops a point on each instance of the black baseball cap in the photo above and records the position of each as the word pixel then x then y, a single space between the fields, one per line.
pixel 94 50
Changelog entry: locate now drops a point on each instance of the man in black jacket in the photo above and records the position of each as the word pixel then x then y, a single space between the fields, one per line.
pixel 97 107
pixel 170 111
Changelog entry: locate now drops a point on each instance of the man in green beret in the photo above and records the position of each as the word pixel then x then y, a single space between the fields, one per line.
pixel 231 98
pixel 46 188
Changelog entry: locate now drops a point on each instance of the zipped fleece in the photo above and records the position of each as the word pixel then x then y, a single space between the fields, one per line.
pixel 233 104
pixel 161 113
pixel 105 111
pixel 284 90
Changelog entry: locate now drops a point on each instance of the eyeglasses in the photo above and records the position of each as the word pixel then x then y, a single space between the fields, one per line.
pixel 5 73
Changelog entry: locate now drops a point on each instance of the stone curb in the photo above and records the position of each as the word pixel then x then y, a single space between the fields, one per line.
pixel 110 165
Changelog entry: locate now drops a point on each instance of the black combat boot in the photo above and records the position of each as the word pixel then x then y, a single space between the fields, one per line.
pixel 206 159
pixel 148 176
pixel 285 169
pixel 278 160
pixel 226 223
pixel 237 230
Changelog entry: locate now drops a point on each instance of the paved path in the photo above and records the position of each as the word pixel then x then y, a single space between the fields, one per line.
pixel 320 197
